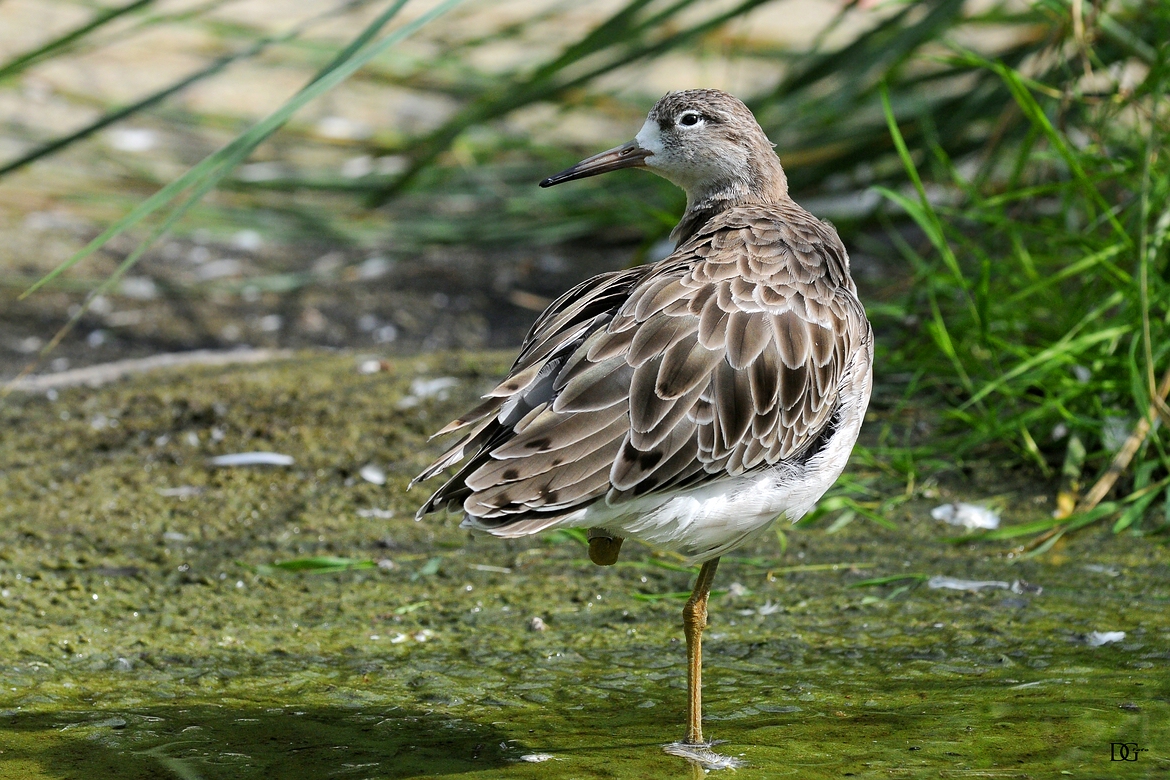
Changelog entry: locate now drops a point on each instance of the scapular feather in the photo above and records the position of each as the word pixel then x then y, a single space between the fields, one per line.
pixel 713 324
pixel 656 335
pixel 747 336
pixel 733 404
pixel 685 365
pixel 724 358
pixel 500 471
pixel 555 431
pixel 599 386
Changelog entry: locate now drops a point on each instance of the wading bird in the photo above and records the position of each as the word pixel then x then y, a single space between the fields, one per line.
pixel 691 402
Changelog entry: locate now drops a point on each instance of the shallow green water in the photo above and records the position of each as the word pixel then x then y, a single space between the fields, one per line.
pixel 144 636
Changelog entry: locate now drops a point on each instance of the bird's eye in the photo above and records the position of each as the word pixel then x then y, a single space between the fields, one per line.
pixel 689 119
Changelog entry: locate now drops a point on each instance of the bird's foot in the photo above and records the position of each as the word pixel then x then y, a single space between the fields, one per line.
pixel 604 547
pixel 702 755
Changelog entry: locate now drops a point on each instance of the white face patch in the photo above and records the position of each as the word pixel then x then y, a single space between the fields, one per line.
pixel 695 171
pixel 650 139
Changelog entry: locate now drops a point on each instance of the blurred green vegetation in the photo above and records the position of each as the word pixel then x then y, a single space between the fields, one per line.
pixel 1010 158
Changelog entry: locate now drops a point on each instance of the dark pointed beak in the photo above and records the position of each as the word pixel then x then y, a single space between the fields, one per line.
pixel 625 156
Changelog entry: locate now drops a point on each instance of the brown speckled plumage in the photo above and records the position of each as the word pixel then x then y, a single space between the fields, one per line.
pixel 723 358
pixel 691 402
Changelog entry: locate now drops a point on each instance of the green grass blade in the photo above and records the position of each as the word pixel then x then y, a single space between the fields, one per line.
pixel 117 115
pixel 63 42
pixel 887 580
pixel 925 215
pixel 1036 114
pixel 132 259
pixel 1084 265
pixel 1061 349
pixel 678 595
pixel 250 138
pixel 542 85
pixel 324 564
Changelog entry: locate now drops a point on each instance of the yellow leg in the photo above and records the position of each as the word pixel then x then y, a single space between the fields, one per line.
pixel 694 621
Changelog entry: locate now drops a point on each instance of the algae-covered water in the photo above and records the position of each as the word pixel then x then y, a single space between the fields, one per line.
pixel 148 634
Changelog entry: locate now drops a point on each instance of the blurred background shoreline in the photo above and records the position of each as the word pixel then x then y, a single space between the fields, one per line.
pixel 287 252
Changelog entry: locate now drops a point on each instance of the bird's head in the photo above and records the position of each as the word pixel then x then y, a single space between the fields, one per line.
pixel 705 141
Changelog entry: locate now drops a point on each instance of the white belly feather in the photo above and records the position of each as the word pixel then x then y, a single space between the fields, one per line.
pixel 711 520
pixel 708 521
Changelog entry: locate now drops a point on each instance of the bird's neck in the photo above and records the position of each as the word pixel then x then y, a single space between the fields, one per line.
pixel 760 182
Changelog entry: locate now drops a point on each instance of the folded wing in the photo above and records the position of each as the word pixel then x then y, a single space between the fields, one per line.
pixel 724 358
